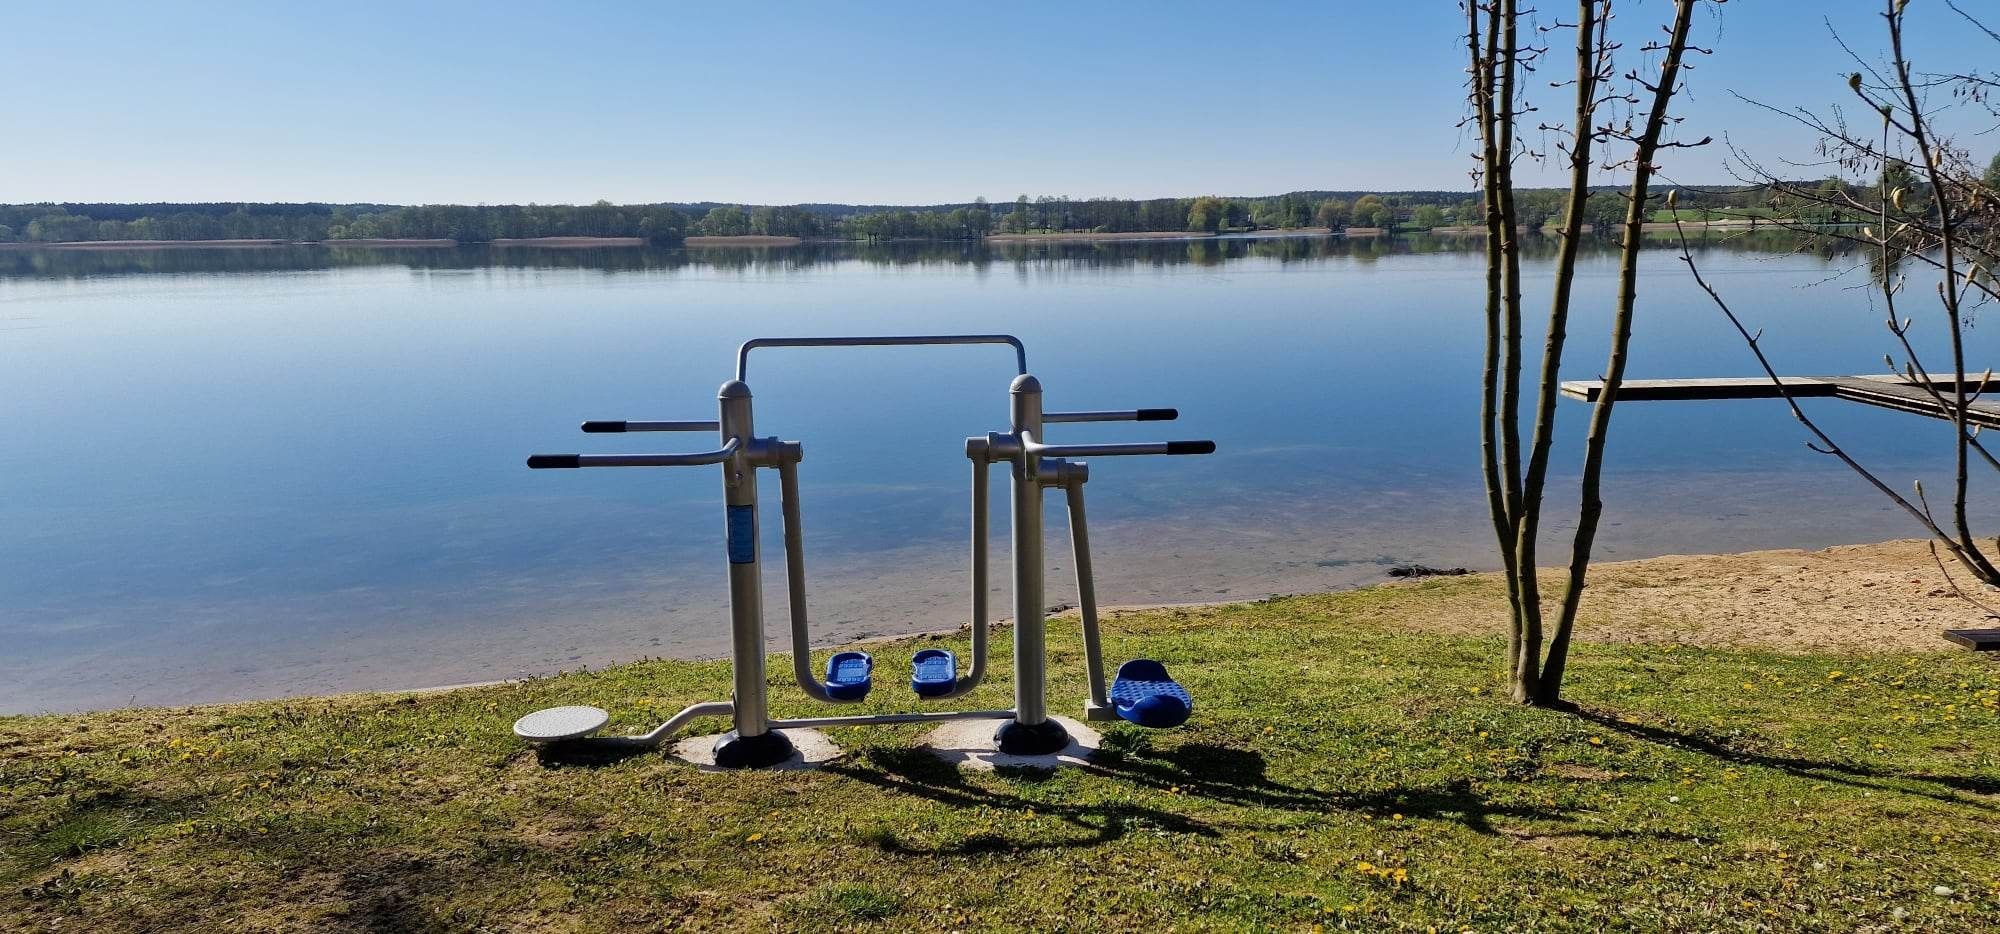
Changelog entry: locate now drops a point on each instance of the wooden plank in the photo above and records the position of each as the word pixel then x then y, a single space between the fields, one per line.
pixel 1904 397
pixel 1941 380
pixel 1978 640
pixel 1664 390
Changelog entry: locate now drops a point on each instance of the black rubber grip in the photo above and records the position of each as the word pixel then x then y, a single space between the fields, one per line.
pixel 546 461
pixel 1190 447
pixel 603 428
pixel 1158 415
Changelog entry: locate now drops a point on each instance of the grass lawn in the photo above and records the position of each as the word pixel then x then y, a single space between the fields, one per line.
pixel 1341 770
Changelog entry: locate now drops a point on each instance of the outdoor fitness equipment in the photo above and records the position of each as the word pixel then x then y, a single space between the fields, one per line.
pixel 1143 693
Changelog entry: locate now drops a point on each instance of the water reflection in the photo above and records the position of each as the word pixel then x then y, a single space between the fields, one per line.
pixel 1092 254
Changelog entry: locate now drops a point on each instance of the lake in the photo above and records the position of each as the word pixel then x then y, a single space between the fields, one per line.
pixel 244 473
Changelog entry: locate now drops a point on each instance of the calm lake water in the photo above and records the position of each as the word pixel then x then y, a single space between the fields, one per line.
pixel 252 473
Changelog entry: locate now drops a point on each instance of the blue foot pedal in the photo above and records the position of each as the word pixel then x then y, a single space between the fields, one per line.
pixel 933 673
pixel 848 675
pixel 1146 695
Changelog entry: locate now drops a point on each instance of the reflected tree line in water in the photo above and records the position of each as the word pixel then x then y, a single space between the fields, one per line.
pixel 1107 254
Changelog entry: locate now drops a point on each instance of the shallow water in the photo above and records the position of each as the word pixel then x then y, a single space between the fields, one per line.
pixel 252 473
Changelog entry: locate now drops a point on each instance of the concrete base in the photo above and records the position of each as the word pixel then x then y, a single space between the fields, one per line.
pixel 812 750
pixel 969 743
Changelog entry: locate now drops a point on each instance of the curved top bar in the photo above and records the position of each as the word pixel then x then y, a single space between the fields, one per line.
pixel 743 352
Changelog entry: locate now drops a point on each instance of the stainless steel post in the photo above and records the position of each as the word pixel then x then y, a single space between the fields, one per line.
pixel 1031 732
pixel 1099 707
pixel 752 744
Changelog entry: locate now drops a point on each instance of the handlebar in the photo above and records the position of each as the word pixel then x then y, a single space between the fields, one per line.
pixel 1037 449
pixel 743 352
pixel 558 461
pixel 597 428
pixel 1114 415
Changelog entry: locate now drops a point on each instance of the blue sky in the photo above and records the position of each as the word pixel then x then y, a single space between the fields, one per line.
pixel 781 102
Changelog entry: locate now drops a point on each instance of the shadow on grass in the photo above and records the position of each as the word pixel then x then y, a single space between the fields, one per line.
pixel 1213 773
pixel 917 772
pixel 1949 789
pixel 589 753
pixel 1239 777
pixel 1218 773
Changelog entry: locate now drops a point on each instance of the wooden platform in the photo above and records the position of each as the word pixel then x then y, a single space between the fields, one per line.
pixel 1978 640
pixel 1885 391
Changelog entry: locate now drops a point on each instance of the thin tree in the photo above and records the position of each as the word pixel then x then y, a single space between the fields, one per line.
pixel 1635 114
pixel 1932 210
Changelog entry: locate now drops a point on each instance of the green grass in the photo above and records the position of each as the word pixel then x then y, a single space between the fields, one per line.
pixel 1341 769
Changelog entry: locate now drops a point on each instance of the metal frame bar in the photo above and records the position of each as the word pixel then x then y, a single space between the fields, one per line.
pixel 1030 642
pixel 598 428
pixel 795 583
pixel 1036 448
pixel 746 590
pixel 801 723
pixel 1112 415
pixel 924 340
pixel 699 459
pixel 1099 705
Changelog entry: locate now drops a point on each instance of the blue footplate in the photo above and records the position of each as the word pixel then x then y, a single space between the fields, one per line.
pixel 1146 695
pixel 849 675
pixel 933 673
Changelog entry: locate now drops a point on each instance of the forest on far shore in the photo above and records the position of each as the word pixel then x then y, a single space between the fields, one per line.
pixel 671 222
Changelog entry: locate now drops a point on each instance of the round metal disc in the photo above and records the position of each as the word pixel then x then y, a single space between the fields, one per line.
pixel 557 723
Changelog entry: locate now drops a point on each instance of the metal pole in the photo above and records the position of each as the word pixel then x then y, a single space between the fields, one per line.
pixel 1086 591
pixel 978 561
pixel 1031 732
pixel 751 744
pixel 795 581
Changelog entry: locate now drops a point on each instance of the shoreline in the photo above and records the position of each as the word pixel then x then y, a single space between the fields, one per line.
pixel 501 242
pixel 745 240
pixel 759 240
pixel 1860 598
pixel 1084 235
pixel 1636 600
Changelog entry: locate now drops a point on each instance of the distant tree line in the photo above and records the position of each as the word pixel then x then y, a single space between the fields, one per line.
pixel 669 223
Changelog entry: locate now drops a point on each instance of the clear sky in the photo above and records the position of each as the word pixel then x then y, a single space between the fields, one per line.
pixel 781 102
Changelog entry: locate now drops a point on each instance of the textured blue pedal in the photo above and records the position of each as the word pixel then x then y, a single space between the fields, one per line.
pixel 849 675
pixel 933 673
pixel 1146 695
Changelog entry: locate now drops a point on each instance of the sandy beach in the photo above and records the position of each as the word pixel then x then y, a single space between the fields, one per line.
pixel 745 240
pixel 141 244
pixel 569 241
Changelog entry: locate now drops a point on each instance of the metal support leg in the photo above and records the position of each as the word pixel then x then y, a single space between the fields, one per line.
pixel 1031 732
pixel 752 744
pixel 1099 705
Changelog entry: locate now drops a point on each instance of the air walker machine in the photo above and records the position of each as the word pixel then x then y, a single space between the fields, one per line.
pixel 1142 693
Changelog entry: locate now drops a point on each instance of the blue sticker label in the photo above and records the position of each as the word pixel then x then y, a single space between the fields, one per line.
pixel 742 535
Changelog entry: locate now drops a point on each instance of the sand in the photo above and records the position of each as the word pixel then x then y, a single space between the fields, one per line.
pixel 140 244
pixel 569 241
pixel 745 240
pixel 1156 235
pixel 1887 596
